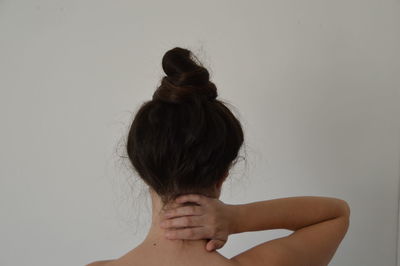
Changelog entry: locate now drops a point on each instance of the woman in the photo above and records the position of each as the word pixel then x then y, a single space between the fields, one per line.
pixel 183 143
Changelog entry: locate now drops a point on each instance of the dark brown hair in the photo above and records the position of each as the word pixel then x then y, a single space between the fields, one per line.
pixel 184 140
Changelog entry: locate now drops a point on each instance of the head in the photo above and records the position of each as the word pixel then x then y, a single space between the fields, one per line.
pixel 184 140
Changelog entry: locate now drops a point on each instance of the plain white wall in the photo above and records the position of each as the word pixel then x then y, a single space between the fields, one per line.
pixel 315 83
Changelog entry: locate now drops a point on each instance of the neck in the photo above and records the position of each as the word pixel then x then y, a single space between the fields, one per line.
pixel 156 235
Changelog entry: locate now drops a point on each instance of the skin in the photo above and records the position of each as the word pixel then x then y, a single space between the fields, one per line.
pixel 157 249
pixel 196 231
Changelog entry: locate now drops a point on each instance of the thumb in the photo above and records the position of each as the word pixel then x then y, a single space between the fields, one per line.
pixel 214 244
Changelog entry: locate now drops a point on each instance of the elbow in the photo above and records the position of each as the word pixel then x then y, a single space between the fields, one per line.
pixel 346 214
pixel 343 208
pixel 346 208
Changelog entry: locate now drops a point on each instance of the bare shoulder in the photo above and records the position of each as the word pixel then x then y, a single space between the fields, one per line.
pixel 100 263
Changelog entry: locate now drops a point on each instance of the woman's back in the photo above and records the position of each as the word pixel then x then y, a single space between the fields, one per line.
pixel 157 256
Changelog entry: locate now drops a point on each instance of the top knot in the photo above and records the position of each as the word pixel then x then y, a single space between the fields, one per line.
pixel 186 78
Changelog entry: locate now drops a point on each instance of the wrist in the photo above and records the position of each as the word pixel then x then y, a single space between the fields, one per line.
pixel 233 213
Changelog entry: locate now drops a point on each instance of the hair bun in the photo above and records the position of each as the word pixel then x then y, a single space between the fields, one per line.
pixel 186 78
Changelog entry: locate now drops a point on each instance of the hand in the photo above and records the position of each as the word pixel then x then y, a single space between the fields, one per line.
pixel 211 219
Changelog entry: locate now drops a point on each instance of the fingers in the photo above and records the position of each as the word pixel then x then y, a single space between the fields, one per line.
pixel 183 221
pixel 215 244
pixel 185 210
pixel 171 205
pixel 194 233
pixel 197 198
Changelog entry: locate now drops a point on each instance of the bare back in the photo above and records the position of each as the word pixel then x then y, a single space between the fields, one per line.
pixel 143 257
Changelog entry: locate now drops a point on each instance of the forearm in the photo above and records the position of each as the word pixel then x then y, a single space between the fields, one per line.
pixel 290 213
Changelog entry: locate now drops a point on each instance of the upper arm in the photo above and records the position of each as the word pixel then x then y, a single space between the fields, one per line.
pixel 312 245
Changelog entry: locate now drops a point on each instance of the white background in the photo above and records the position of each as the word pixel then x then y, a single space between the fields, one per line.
pixel 315 84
